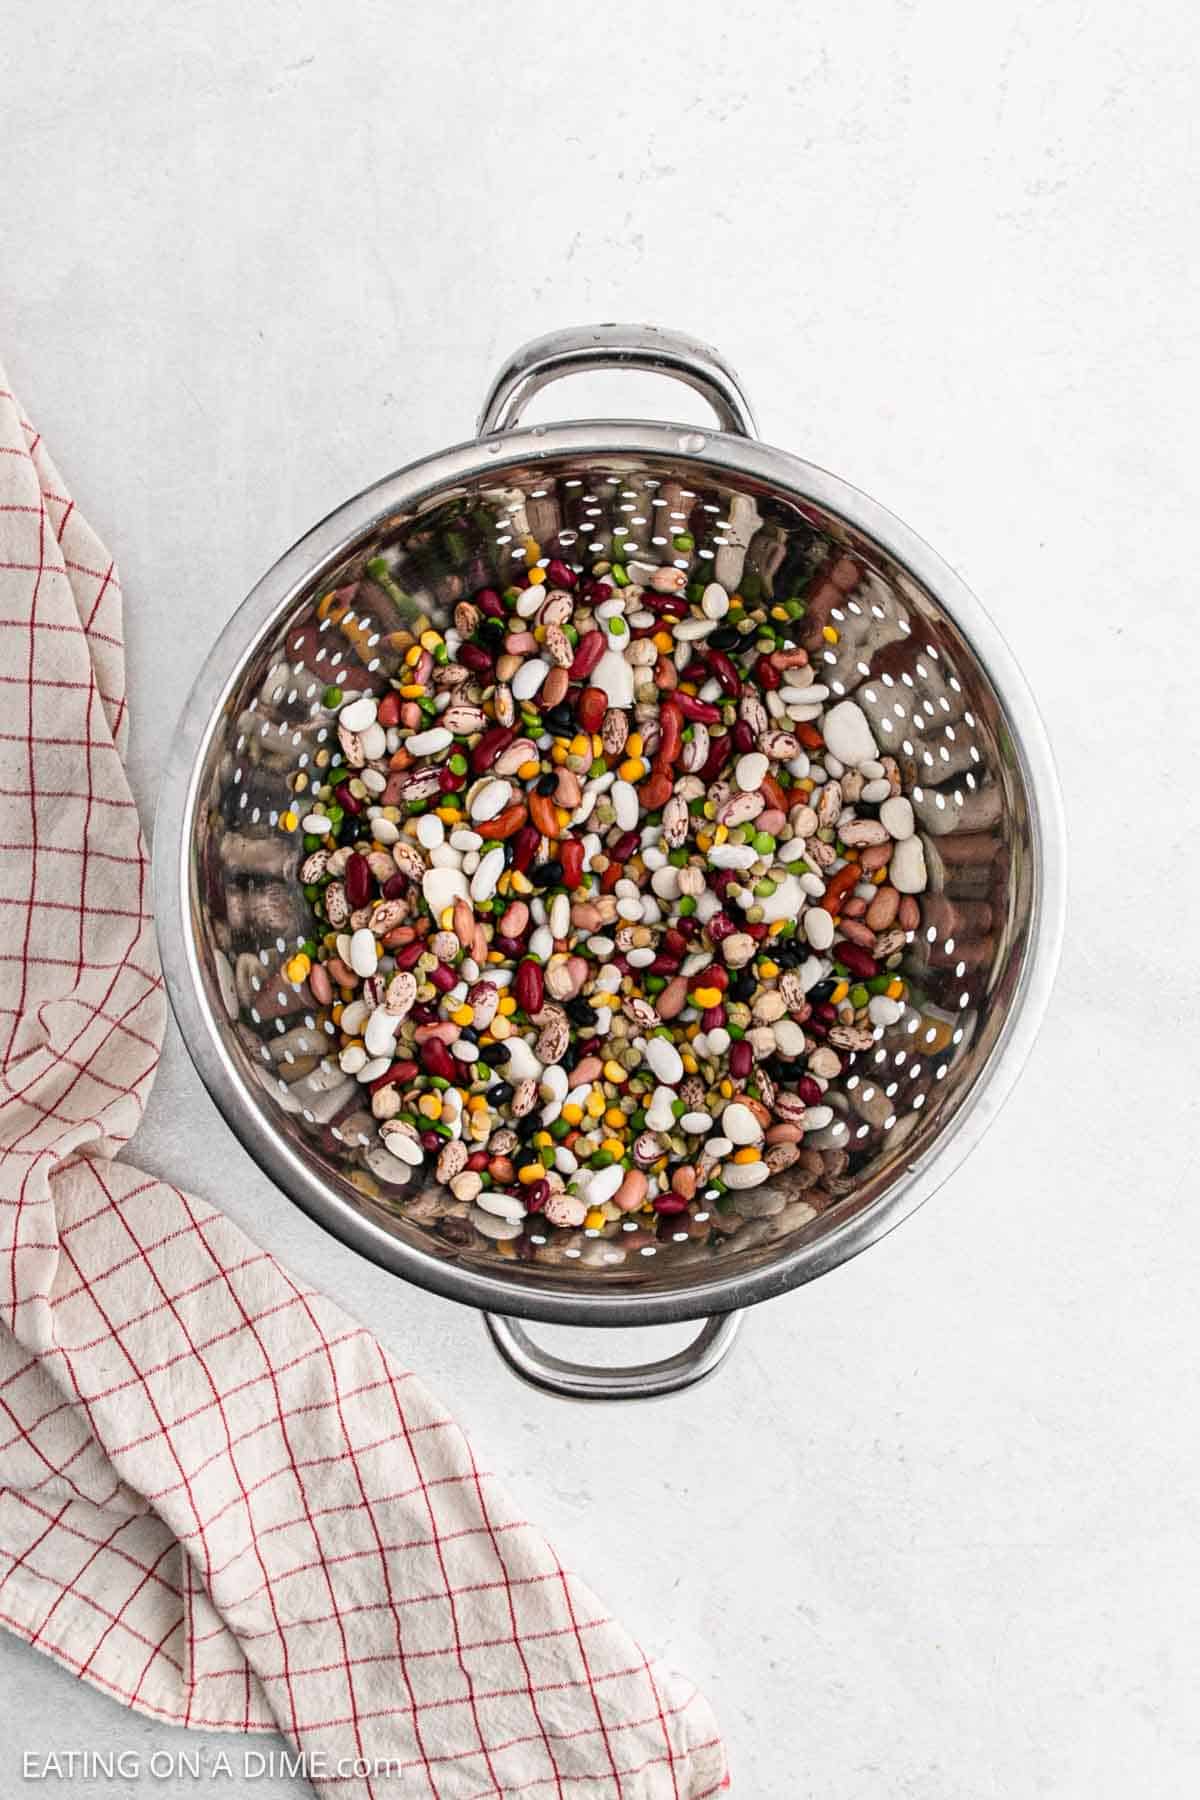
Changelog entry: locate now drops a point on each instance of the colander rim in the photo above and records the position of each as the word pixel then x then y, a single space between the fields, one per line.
pixel 330 541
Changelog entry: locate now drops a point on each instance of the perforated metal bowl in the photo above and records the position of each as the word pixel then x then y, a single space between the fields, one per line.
pixel 913 647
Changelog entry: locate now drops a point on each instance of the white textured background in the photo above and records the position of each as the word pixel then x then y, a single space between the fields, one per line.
pixel 932 1533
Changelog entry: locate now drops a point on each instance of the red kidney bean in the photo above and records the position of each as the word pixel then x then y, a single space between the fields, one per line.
pixel 670 1203
pixel 389 709
pixel 826 1012
pixel 525 847
pixel 596 592
pixel 587 1047
pixel 772 793
pixel 711 1017
pixel 358 880
pixel 808 1089
pixel 741 1059
pixel 856 959
pixel 766 674
pixel 688 927
pixel 488 601
pixel 399 1074
pixel 437 1060
pixel 410 956
pixel 490 746
pixel 673 942
pixel 743 737
pixel 720 751
pixel 663 964
pixel 474 656
pixel 424 1014
pixel 570 854
pixel 394 886
pixel 670 727
pixel 588 652
pixel 699 711
pixel 725 673
pixel 442 978
pixel 430 1140
pixel 478 1161
pixel 536 1195
pixel 657 789
pixel 559 574
pixel 755 931
pixel 505 824
pixel 529 985
pixel 593 704
pixel 347 801
pixel 544 814
pixel 625 846
pixel 510 946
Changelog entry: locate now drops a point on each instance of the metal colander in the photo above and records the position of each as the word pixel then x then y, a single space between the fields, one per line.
pixel 903 637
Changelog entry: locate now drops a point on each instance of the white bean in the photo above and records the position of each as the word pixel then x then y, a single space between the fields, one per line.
pixel 364 952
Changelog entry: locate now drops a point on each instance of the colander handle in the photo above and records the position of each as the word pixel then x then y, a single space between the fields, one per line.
pixel 585 347
pixel 636 1381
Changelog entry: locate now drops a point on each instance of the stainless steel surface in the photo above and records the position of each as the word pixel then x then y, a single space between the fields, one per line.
pixel 531 1362
pixel 915 649
pixel 543 360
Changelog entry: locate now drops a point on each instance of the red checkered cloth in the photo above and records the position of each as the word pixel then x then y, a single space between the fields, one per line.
pixel 223 1502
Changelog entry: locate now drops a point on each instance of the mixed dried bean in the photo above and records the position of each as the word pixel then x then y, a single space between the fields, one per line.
pixel 610 891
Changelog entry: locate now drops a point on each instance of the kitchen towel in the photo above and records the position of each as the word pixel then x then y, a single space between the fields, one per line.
pixel 221 1500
